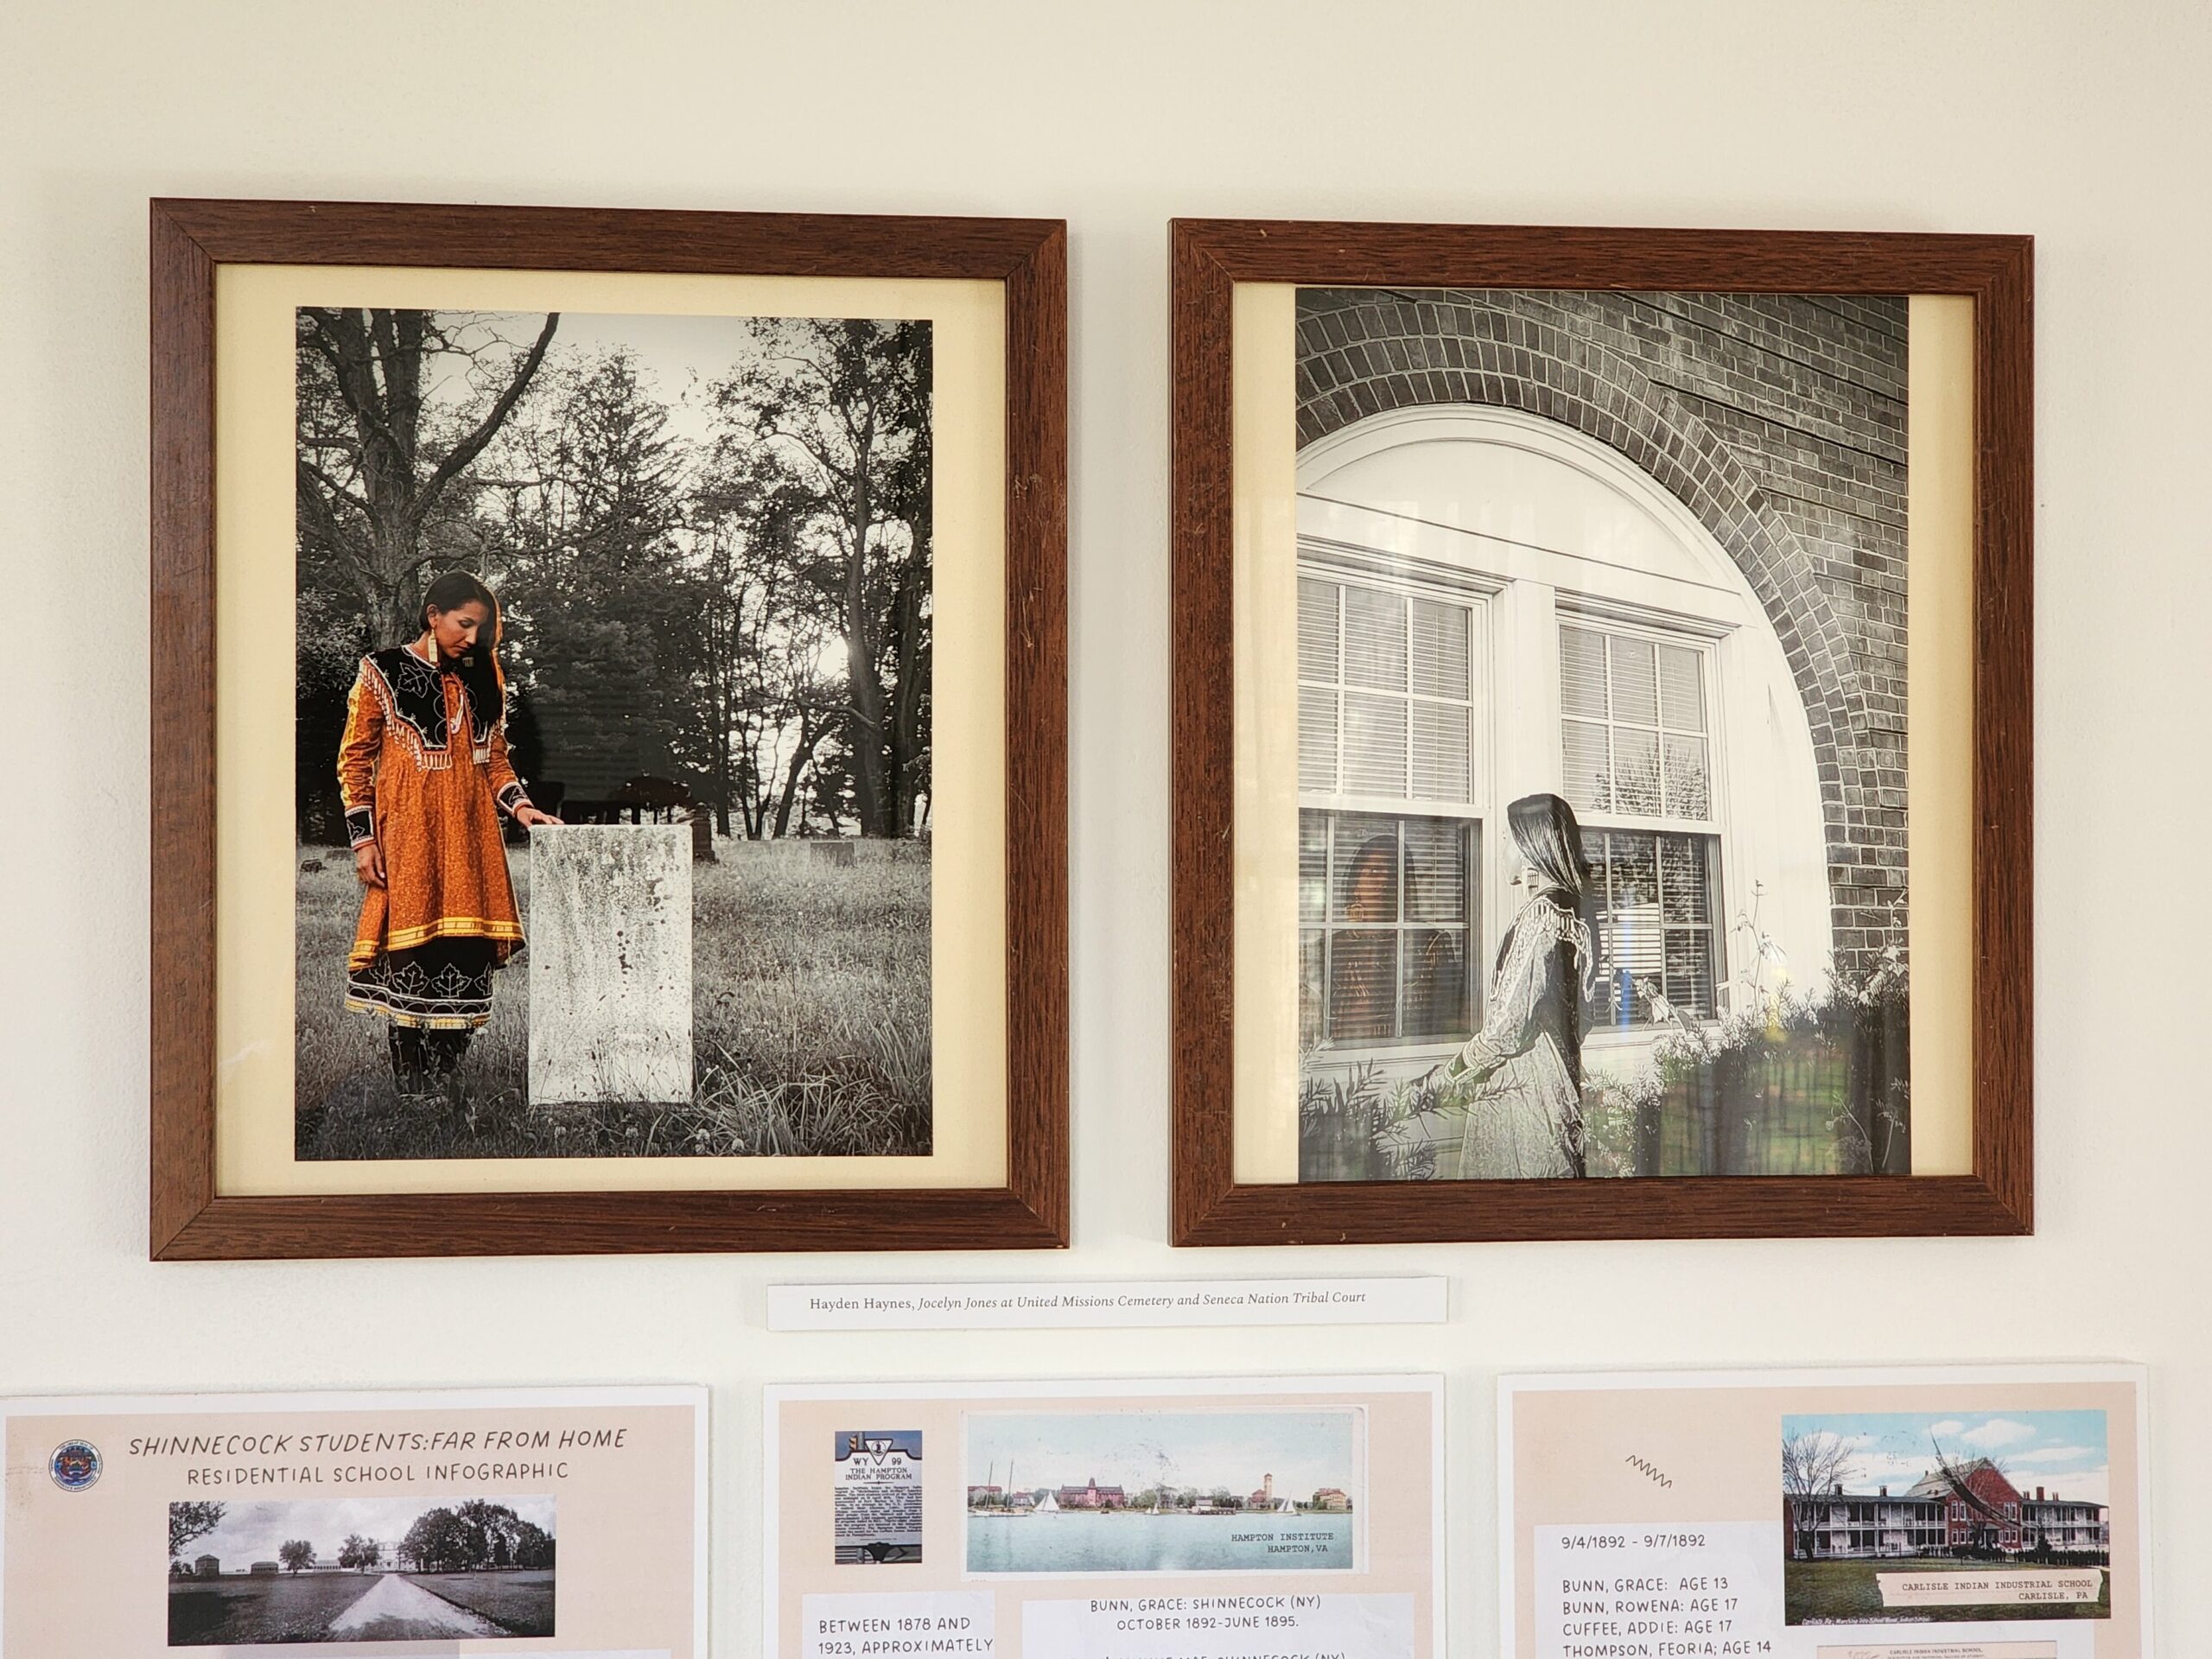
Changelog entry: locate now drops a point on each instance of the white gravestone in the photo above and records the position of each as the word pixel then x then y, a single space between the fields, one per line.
pixel 610 964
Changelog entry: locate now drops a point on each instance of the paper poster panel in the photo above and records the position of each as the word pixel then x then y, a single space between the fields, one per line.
pixel 554 1520
pixel 1973 1514
pixel 1171 1520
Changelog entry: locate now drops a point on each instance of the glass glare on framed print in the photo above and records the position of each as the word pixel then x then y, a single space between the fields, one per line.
pixel 1603 723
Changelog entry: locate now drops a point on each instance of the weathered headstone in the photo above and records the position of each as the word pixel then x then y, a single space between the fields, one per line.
pixel 610 964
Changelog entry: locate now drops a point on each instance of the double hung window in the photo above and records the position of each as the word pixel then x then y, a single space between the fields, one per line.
pixel 1636 751
pixel 1390 844
pixel 1395 704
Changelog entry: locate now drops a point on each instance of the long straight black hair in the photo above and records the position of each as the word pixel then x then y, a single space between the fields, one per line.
pixel 1545 831
pixel 479 668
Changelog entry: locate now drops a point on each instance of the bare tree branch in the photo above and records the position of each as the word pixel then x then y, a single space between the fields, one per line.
pixel 472 445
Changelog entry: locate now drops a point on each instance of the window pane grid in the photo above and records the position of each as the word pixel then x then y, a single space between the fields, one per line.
pixel 1651 907
pixel 1632 726
pixel 1386 694
pixel 1387 908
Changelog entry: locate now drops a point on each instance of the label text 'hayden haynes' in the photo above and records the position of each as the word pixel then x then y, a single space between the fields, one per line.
pixel 423 1440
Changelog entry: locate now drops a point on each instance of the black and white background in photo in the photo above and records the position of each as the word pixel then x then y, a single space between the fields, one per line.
pixel 1645 552
pixel 710 538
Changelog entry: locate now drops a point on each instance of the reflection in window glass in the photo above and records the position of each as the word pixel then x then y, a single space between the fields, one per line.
pixel 1394 898
pixel 1374 745
pixel 1387 899
pixel 1650 906
pixel 1362 985
pixel 1386 694
pixel 1375 640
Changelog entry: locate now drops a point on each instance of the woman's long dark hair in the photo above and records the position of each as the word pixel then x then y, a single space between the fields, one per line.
pixel 1544 829
pixel 479 668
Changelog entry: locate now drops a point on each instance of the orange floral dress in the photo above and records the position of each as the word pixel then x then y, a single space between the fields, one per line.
pixel 425 774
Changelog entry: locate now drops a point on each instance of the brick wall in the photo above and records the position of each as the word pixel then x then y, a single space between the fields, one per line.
pixel 1778 419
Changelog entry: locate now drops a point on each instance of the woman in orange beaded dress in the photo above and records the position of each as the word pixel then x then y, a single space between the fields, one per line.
pixel 425 774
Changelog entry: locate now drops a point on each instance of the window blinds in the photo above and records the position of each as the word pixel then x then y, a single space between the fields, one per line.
pixel 1632 726
pixel 1385 700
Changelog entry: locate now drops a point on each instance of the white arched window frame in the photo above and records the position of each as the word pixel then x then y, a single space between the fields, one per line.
pixel 1537 528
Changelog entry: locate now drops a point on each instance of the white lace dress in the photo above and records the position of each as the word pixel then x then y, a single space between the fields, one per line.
pixel 1519 1080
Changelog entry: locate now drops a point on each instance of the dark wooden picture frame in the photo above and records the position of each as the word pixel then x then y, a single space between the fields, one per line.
pixel 1210 257
pixel 190 239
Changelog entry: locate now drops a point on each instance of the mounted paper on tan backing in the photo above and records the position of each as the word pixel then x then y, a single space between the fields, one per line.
pixel 323 1521
pixel 1808 1490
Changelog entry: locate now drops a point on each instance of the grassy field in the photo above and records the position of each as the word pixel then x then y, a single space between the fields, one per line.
pixel 206 1613
pixel 810 1025
pixel 1839 1592
pixel 520 1601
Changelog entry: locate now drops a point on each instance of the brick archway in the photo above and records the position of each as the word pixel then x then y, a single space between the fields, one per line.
pixel 1366 352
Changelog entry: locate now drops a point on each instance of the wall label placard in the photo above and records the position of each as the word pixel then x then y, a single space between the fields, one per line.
pixel 1071 1305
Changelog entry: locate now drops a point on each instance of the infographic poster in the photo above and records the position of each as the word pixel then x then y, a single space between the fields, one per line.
pixel 562 1521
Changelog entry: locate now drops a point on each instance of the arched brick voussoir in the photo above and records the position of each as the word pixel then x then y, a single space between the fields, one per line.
pixel 1375 350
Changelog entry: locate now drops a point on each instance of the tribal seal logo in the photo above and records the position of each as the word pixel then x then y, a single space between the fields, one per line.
pixel 75 1465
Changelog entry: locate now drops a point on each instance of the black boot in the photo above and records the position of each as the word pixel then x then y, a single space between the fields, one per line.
pixel 410 1071
pixel 444 1051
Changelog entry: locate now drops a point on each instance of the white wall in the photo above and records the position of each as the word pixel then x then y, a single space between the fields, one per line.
pixel 2085 125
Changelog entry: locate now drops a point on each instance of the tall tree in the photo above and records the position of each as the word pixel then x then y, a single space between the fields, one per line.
pixel 582 510
pixel 1813 1465
pixel 191 1520
pixel 438 1542
pixel 296 1554
pixel 376 459
pixel 844 404
pixel 761 636
pixel 533 1545
pixel 913 500
pixel 488 1532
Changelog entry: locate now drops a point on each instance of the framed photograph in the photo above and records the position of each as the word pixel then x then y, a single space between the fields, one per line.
pixel 1602 733
pixel 1993 1512
pixel 609 731
pixel 358 1524
pixel 1156 1519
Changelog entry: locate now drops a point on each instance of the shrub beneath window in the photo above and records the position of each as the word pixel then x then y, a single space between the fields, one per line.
pixel 1808 1085
pixel 1804 1086
pixel 1366 1126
